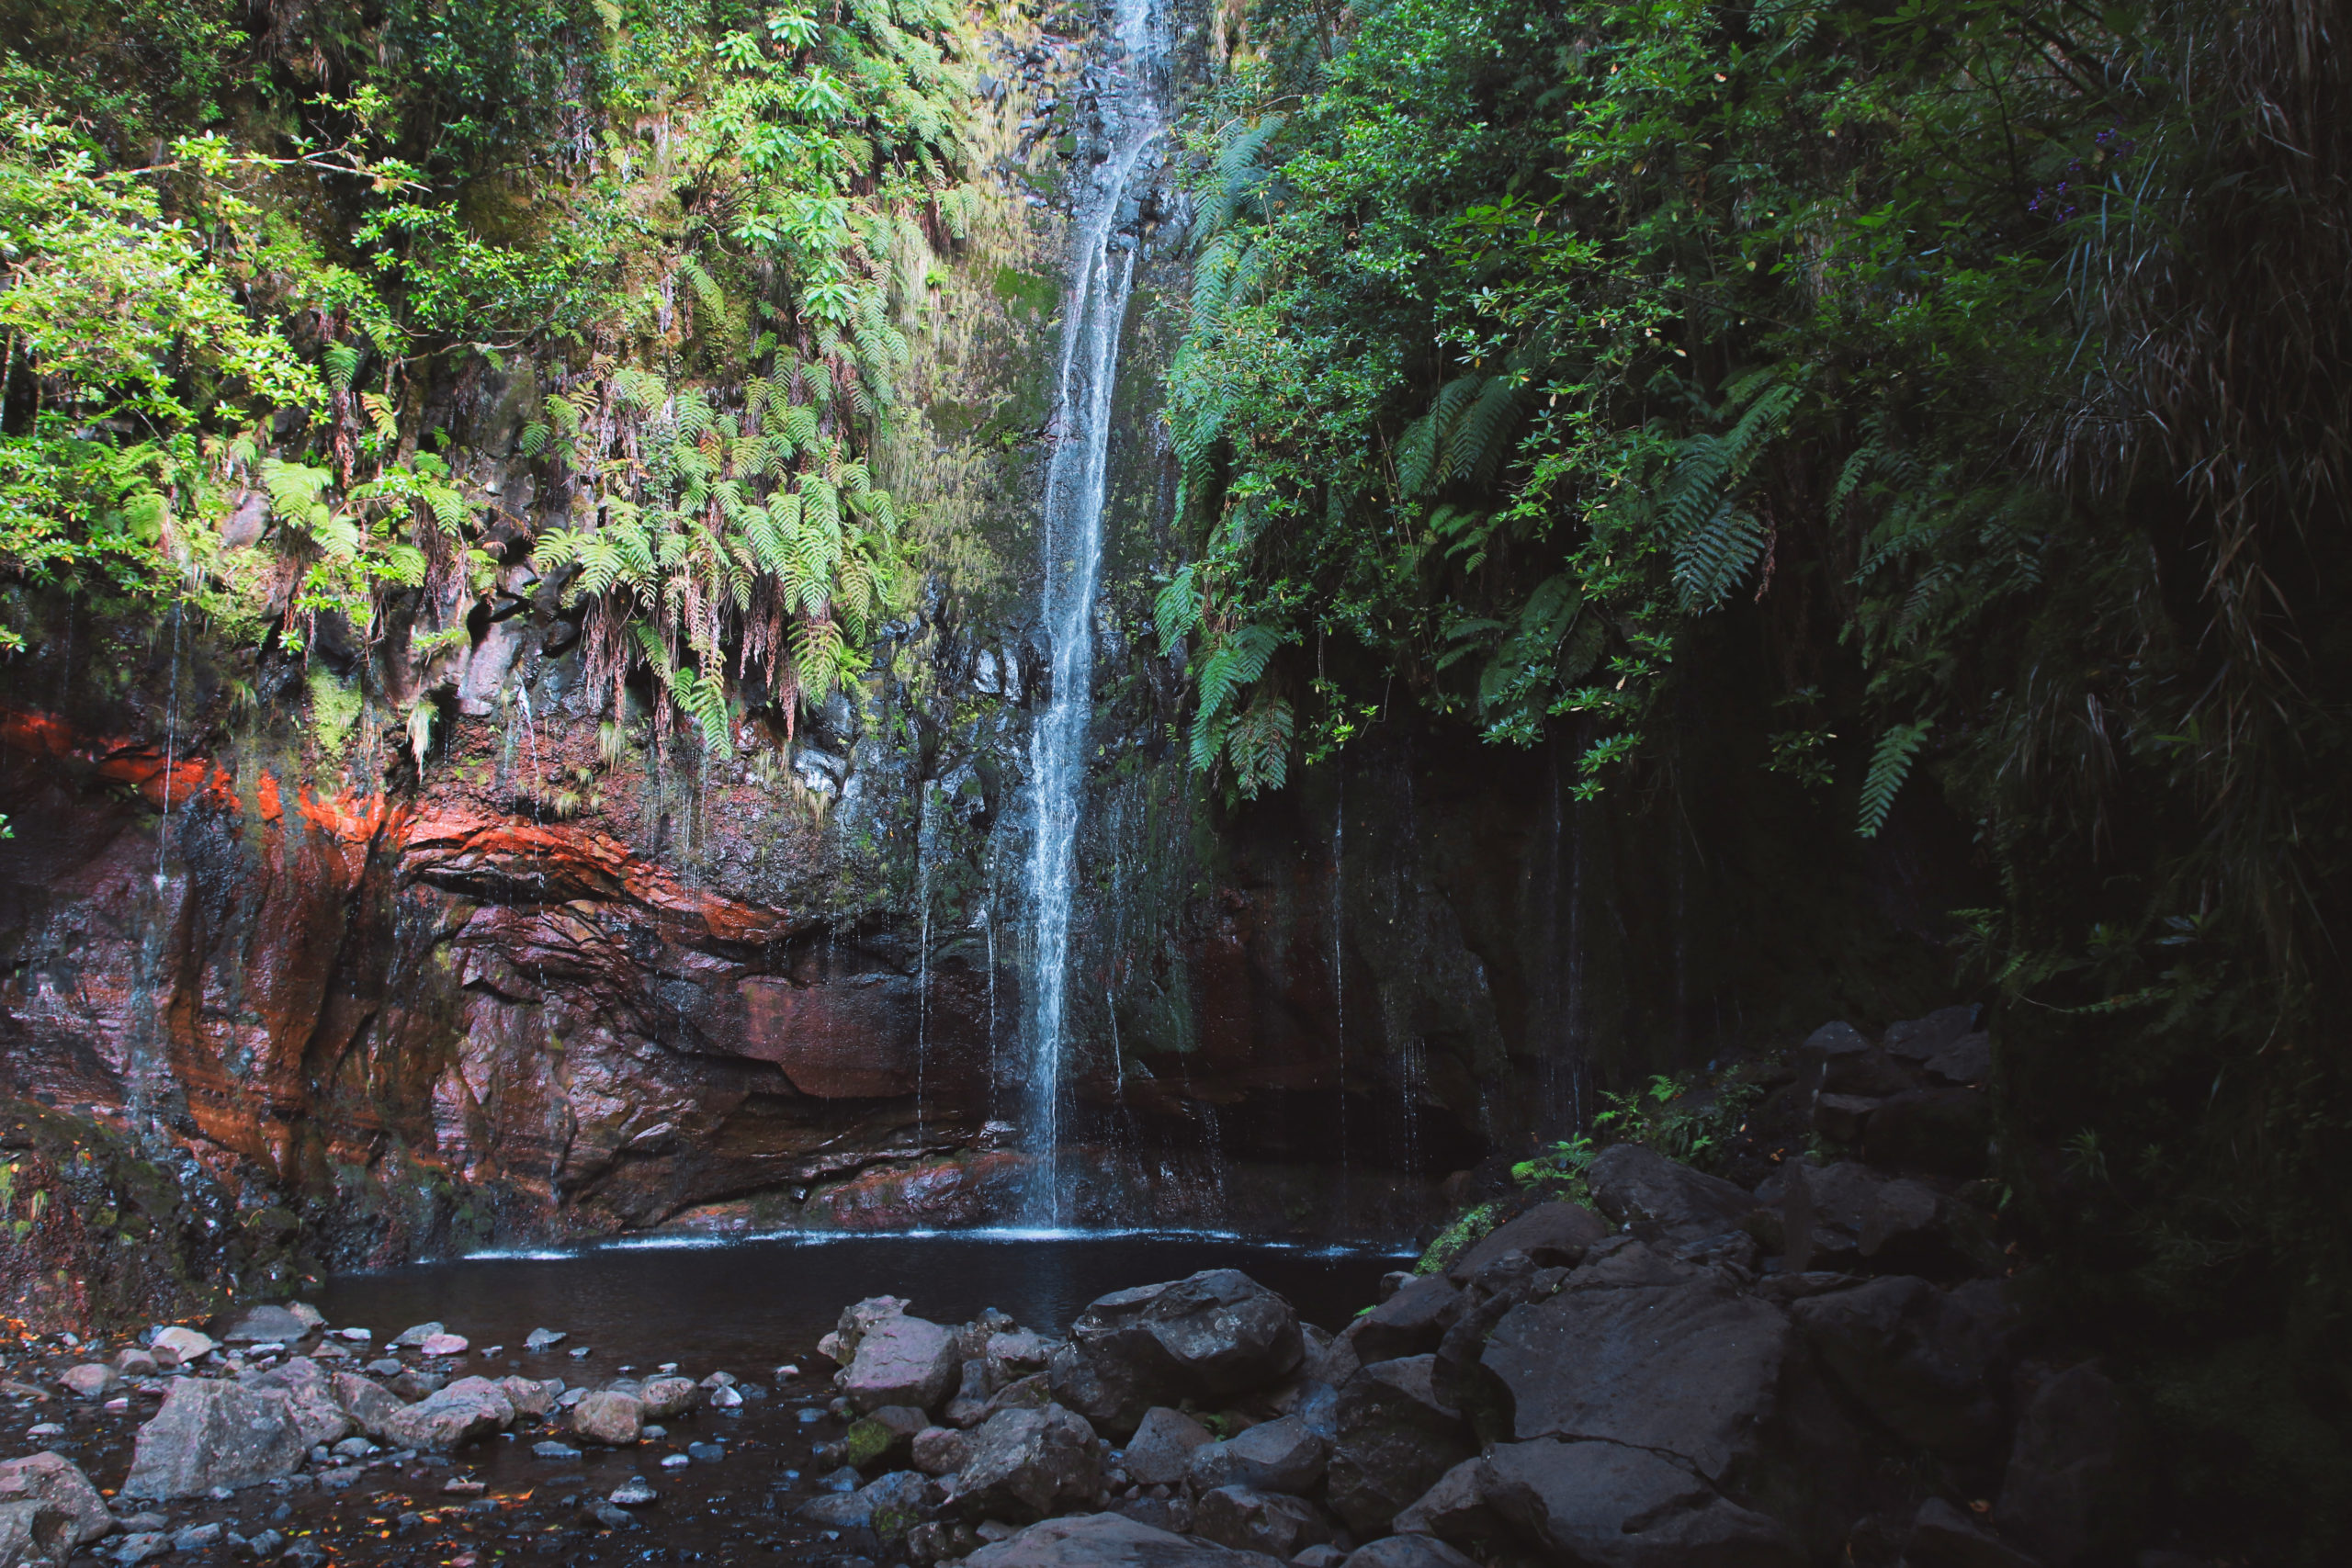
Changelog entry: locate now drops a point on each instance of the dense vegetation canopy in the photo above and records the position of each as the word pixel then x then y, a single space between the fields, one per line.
pixel 247 252
pixel 1974 370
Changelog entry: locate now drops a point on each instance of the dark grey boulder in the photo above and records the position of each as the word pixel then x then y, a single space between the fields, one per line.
pixel 309 1388
pixel 1550 1234
pixel 370 1406
pixel 1161 1450
pixel 1110 1541
pixel 1407 1552
pixel 1966 1063
pixel 1692 1369
pixel 1408 1323
pixel 267 1324
pixel 1160 1513
pixel 1923 1039
pixel 1922 1362
pixel 1397 1436
pixel 1216 1334
pixel 1946 1131
pixel 1456 1508
pixel 1639 1187
pixel 1944 1537
pixel 1611 1506
pixel 1700 1373
pixel 1622 1261
pixel 1272 1522
pixel 1287 1455
pixel 214 1433
pixel 2074 1490
pixel 1027 1463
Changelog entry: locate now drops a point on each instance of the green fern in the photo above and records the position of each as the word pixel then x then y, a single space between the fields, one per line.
pixel 1890 765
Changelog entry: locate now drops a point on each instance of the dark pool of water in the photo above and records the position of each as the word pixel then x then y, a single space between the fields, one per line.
pixel 754 1302
pixel 744 1307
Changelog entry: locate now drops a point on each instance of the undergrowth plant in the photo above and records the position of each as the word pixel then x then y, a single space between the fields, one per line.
pixel 731 212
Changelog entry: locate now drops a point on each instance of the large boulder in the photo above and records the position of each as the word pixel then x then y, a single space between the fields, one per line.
pixel 1160 1453
pixel 22 1542
pixel 1664 1199
pixel 609 1418
pixel 1947 1131
pixel 666 1398
pixel 1274 1456
pixel 1943 1537
pixel 370 1405
pixel 1922 1362
pixel 309 1388
pixel 267 1324
pixel 61 1511
pixel 1551 1234
pixel 1396 1437
pixel 890 1507
pixel 1407 1552
pixel 531 1396
pixel 176 1345
pixel 1611 1506
pixel 2074 1490
pixel 1715 1379
pixel 1028 1463
pixel 1408 1323
pixel 1213 1335
pixel 1109 1540
pixel 1271 1522
pixel 212 1433
pixel 471 1408
pixel 902 1360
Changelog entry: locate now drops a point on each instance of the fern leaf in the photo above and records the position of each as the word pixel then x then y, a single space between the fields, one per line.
pixel 1176 610
pixel 1890 765
pixel 1712 558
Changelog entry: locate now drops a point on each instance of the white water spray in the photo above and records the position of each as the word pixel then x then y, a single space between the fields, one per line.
pixel 1101 273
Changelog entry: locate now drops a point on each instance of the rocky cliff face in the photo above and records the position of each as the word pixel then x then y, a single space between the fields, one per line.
pixel 546 972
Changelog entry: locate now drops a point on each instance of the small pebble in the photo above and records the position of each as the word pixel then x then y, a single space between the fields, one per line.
pixel 578 1350
pixel 675 1462
pixel 562 1453
pixel 634 1493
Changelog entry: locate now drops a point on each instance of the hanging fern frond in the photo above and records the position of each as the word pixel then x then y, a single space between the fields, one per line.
pixel 1482 438
pixel 1715 555
pixel 1176 610
pixel 1890 765
pixel 1259 745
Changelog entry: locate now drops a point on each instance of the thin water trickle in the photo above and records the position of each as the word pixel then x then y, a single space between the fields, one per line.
pixel 925 838
pixel 1340 967
pixel 1102 274
pixel 170 738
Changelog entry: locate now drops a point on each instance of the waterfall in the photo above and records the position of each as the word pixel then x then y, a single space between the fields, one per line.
pixel 1101 273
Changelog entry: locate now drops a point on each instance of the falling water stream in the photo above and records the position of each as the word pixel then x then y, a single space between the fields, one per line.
pixel 1102 274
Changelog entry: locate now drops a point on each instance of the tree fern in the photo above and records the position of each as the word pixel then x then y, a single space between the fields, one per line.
pixel 1259 744
pixel 1890 765
pixel 1176 610
pixel 1481 437
pixel 1713 557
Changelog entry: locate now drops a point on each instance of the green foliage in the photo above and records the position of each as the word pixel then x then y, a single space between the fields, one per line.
pixel 1960 364
pixel 1890 765
pixel 716 327
pixel 1457 1238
